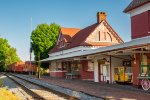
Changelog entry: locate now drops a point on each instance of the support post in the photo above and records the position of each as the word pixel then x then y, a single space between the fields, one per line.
pixel 39 65
pixel 110 69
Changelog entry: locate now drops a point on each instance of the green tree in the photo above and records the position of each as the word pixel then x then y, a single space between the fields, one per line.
pixel 43 39
pixel 7 54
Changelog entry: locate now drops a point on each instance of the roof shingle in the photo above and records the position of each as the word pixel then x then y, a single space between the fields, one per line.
pixel 78 39
pixel 68 33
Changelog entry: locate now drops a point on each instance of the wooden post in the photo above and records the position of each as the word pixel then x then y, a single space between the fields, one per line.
pixel 39 65
pixel 110 70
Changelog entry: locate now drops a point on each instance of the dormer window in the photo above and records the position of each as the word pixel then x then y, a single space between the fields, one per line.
pixel 61 44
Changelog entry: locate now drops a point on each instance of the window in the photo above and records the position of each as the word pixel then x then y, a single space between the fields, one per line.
pixel 58 66
pixel 144 60
pixel 61 44
pixel 144 66
pixel 144 70
pixel 97 36
pixel 90 66
pixel 105 37
pixel 108 37
pixel 53 66
pixel 75 66
pixel 65 65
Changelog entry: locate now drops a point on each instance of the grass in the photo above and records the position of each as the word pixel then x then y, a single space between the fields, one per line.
pixel 6 94
pixel 1 82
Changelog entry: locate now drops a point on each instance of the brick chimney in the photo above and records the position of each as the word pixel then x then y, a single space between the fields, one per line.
pixel 101 16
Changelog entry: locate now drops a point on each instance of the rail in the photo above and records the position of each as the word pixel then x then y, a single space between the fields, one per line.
pixel 41 92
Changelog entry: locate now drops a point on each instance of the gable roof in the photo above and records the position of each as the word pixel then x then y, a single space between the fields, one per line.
pixel 79 38
pixel 134 4
pixel 114 32
pixel 68 33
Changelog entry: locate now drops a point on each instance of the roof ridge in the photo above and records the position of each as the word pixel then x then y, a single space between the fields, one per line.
pixel 92 31
pixel 83 30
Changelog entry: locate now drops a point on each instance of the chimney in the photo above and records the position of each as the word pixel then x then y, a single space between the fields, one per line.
pixel 101 16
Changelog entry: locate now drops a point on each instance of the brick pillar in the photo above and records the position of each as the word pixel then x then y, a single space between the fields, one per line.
pixel 136 69
pixel 148 58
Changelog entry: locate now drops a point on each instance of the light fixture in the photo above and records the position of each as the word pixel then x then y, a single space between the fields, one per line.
pixel 134 58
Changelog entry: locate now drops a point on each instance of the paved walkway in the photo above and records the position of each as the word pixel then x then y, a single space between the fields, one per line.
pixel 113 92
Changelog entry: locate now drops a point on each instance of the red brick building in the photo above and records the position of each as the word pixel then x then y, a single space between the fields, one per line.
pixel 96 50
pixel 72 41
pixel 139 11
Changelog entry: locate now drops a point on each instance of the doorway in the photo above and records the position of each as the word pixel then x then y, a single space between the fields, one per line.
pixel 103 70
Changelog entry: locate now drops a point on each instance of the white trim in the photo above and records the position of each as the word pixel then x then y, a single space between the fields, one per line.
pixel 73 50
pixel 135 42
pixel 60 34
pixel 96 76
pixel 140 10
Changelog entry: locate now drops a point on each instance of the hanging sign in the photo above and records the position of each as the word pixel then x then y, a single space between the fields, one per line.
pixel 126 63
pixel 102 61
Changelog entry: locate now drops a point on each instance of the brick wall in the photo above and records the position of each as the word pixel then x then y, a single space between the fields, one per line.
pixel 84 74
pixel 140 25
pixel 57 74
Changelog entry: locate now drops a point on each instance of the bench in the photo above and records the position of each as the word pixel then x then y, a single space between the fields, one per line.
pixel 72 75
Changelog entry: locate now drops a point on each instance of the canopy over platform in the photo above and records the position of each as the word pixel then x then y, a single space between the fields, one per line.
pixel 127 48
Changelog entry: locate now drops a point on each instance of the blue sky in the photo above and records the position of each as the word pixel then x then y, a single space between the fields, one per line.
pixel 15 16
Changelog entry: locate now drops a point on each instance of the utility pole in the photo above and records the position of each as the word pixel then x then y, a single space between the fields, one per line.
pixel 30 51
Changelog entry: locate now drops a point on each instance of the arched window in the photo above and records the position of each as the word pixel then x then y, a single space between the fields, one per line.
pixel 103 37
pixel 108 37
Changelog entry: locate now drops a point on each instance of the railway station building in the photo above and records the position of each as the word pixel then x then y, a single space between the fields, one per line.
pixel 72 42
pixel 97 52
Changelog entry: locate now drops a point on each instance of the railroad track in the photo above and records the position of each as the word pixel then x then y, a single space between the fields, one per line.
pixel 40 92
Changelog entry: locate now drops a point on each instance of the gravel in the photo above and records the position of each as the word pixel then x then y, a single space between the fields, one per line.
pixel 47 95
pixel 14 88
pixel 77 94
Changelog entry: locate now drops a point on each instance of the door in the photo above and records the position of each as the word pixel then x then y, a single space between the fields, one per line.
pixel 103 73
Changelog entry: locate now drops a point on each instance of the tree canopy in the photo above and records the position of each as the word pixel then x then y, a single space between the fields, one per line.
pixel 43 39
pixel 7 54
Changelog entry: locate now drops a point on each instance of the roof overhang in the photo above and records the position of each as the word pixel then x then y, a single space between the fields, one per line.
pixel 128 48
pixel 135 4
